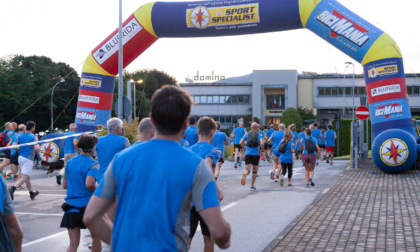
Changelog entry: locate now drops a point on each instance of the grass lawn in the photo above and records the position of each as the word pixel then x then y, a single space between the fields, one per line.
pixel 348 156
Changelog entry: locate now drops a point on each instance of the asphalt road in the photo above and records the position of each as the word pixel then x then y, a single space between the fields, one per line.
pixel 256 217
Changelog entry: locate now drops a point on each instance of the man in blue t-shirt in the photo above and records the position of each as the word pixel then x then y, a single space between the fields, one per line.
pixel 316 133
pixel 300 136
pixel 191 132
pixel 7 153
pixel 14 154
pixel 330 137
pixel 7 212
pixel 146 131
pixel 237 135
pixel 110 145
pixel 155 195
pixel 26 159
pixel 252 157
pixel 219 141
pixel 275 140
pixel 70 149
pixel 211 154
pixel 269 133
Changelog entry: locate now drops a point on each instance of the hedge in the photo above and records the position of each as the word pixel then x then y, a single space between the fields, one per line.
pixel 344 135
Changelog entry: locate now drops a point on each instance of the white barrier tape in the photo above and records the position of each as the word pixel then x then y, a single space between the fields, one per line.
pixel 48 140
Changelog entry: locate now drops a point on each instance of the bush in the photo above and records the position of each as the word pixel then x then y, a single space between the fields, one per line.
pixel 290 116
pixel 344 136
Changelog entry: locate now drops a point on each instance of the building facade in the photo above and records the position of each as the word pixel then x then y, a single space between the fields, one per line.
pixel 266 94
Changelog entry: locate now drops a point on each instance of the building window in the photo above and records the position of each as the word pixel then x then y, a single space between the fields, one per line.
pixel 209 99
pixel 275 101
pixel 221 99
pixel 338 91
pixel 413 90
pixel 216 99
pixel 321 91
pixel 203 99
pixel 197 99
pixel 246 99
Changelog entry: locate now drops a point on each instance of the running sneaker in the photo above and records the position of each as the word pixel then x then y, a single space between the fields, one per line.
pixel 289 184
pixel 236 165
pixel 252 188
pixel 317 163
pixel 277 179
pixel 272 174
pixel 312 183
pixel 59 177
pixel 262 158
pixel 33 194
pixel 243 180
pixel 307 185
pixel 9 177
pixel 12 190
pixel 331 163
pixel 16 177
pixel 239 163
pixel 328 161
pixel 282 182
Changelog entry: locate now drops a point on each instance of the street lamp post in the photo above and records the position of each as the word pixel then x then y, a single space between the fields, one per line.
pixel 139 81
pixel 353 152
pixel 52 117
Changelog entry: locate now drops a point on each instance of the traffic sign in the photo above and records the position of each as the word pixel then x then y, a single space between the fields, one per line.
pixel 362 112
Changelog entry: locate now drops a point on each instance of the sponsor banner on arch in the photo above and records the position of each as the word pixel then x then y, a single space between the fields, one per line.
pixel 95 99
pixel 91 116
pixel 383 69
pixel 342 28
pixel 97 83
pixel 389 110
pixel 386 90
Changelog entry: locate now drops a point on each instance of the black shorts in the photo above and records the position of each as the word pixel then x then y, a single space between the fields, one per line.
pixel 322 146
pixel 194 219
pixel 221 160
pixel 14 158
pixel 72 220
pixel 237 146
pixel 251 159
pixel 7 154
pixel 265 146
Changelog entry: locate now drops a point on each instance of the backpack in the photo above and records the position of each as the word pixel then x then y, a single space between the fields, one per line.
pixel 3 139
pixel 309 145
pixel 282 146
pixel 253 139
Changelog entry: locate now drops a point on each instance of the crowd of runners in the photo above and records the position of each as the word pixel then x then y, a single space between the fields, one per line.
pixel 152 195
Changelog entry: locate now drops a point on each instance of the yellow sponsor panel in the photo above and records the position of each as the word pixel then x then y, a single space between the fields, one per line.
pixel 90 83
pixel 384 47
pixel 306 7
pixel 91 66
pixel 144 16
pixel 202 17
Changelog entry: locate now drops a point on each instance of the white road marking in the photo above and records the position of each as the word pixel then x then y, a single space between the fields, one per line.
pixel 40 214
pixel 223 209
pixel 325 190
pixel 43 239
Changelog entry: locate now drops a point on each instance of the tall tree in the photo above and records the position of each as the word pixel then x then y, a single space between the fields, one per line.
pixel 25 84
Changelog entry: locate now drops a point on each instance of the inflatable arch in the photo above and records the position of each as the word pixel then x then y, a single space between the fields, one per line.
pixel 395 142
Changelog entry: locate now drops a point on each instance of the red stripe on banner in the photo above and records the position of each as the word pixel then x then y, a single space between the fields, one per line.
pixel 131 50
pixel 386 90
pixel 95 99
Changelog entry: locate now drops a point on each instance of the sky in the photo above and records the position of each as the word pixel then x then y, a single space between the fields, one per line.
pixel 67 31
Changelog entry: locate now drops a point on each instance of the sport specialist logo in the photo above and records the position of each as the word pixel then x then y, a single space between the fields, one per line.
pixel 49 152
pixel 340 25
pixel 393 152
pixel 86 115
pixel 388 110
pixel 90 83
pixel 200 17
pixel 385 70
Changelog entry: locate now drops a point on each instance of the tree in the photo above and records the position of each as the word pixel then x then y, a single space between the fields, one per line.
pixel 291 115
pixel 306 113
pixel 163 78
pixel 25 82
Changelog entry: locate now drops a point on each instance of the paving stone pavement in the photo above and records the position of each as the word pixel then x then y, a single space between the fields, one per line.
pixel 361 212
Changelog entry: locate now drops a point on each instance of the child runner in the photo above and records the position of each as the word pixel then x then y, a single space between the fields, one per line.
pixel 287 159
pixel 330 137
pixel 237 135
pixel 310 149
pixel 79 180
pixel 203 148
pixel 275 140
pixel 219 141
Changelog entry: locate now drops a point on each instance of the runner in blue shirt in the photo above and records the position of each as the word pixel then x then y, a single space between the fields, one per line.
pixel 264 137
pixel 155 194
pixel 252 157
pixel 275 139
pixel 316 133
pixel 287 159
pixel 7 213
pixel 211 154
pixel 309 158
pixel 79 180
pixel 269 147
pixel 7 153
pixel 110 145
pixel 14 155
pixel 26 159
pixel 191 133
pixel 322 144
pixel 70 150
pixel 330 137
pixel 219 141
pixel 300 136
pixel 237 135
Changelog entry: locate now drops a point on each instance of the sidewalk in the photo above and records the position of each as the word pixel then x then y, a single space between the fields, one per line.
pixel 361 212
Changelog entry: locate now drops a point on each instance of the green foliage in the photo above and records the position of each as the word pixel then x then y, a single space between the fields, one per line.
pixel 290 116
pixel 131 131
pixel 344 136
pixel 306 113
pixel 24 80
